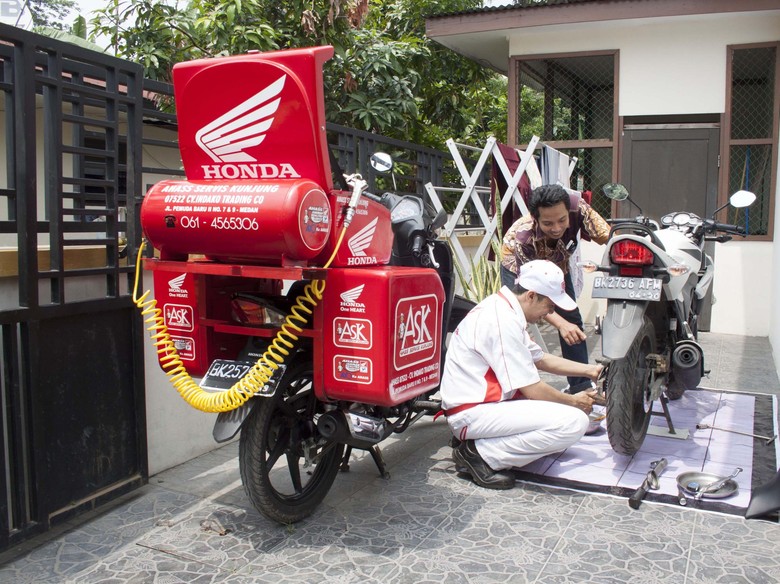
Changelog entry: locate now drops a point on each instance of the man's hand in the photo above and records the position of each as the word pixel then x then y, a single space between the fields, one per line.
pixel 594 371
pixel 571 333
pixel 583 401
pixel 598 398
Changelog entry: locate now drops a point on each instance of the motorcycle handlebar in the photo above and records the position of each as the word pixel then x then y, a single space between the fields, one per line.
pixel 728 227
pixel 417 244
pixel 372 197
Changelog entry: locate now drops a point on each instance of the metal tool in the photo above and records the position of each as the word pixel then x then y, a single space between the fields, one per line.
pixel 650 482
pixel 712 487
pixel 683 500
pixel 766 439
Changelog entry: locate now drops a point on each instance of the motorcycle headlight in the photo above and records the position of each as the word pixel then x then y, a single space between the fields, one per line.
pixel 406 208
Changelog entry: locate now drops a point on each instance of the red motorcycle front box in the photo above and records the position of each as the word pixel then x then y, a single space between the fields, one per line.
pixel 382 343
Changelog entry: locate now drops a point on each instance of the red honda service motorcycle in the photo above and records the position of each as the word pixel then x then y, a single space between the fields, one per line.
pixel 316 316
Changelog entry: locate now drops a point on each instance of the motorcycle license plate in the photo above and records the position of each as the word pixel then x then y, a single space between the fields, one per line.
pixel 623 288
pixel 223 374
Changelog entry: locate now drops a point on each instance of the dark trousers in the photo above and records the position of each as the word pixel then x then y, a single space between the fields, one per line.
pixel 578 352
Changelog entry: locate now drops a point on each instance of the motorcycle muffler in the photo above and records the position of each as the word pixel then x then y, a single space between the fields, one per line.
pixel 356 430
pixel 687 364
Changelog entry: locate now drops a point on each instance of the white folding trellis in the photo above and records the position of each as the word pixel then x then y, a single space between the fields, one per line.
pixel 471 191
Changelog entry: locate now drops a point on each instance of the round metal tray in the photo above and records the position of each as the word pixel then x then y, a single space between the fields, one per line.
pixel 704 479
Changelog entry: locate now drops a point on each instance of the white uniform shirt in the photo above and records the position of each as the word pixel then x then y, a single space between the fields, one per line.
pixel 490 354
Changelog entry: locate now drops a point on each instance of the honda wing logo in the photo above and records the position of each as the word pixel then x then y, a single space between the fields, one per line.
pixel 351 295
pixel 226 138
pixel 349 301
pixel 175 287
pixel 362 239
pixel 177 282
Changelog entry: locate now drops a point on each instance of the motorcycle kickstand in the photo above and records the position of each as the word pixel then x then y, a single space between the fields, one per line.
pixel 376 455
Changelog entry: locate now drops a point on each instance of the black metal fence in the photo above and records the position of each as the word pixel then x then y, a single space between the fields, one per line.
pixel 71 361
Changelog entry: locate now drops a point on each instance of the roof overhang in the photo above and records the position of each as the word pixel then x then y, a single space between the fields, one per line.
pixel 483 35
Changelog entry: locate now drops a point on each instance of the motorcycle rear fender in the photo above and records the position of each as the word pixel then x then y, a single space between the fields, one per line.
pixel 229 423
pixel 621 325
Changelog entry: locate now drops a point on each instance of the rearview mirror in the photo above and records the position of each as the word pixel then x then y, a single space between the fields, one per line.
pixel 615 191
pixel 742 199
pixel 381 162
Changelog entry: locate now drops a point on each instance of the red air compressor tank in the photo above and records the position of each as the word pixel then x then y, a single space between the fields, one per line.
pixel 267 222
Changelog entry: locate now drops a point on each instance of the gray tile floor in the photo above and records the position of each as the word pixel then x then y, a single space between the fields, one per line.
pixel 193 523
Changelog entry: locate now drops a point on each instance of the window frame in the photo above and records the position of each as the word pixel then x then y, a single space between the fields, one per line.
pixel 726 142
pixel 513 114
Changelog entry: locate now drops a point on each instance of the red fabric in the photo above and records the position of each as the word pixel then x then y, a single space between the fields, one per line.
pixel 498 187
pixel 493 392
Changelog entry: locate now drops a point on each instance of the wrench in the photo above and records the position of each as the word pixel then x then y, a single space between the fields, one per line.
pixel 766 439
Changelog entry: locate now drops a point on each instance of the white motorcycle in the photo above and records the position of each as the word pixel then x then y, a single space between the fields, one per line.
pixel 655 278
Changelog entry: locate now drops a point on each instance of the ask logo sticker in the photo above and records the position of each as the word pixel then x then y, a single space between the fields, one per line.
pixel 179 317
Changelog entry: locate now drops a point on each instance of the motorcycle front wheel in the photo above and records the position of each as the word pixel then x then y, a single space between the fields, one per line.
pixel 629 403
pixel 286 466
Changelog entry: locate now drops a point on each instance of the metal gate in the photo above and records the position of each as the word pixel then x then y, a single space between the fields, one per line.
pixel 71 391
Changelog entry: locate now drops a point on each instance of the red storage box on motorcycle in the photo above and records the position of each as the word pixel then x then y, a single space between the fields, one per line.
pixel 382 344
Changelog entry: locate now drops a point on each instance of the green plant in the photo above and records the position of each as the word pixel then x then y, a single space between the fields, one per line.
pixel 485 278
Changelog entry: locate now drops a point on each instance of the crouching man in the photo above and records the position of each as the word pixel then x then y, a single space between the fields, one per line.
pixel 494 400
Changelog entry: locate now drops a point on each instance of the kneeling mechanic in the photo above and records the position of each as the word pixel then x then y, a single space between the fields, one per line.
pixel 497 406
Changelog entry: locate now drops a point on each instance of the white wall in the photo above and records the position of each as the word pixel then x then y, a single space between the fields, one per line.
pixel 742 288
pixel 684 73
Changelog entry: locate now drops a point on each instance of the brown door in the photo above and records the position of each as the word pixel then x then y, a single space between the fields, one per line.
pixel 670 168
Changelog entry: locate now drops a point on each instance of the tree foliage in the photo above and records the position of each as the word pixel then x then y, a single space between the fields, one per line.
pixel 385 77
pixel 49 13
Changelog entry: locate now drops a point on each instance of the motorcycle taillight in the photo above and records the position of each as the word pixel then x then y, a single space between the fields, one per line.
pixel 631 253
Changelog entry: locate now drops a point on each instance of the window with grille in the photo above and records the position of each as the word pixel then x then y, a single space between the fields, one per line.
pixel 569 102
pixel 751 133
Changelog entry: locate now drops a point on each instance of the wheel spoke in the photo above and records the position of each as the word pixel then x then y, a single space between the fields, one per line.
pixel 279 447
pixel 295 472
pixel 285 426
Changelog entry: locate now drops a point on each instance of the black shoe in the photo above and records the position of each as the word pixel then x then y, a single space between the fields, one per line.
pixel 454 442
pixel 468 459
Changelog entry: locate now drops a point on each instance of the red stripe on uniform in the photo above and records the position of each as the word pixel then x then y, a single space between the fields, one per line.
pixel 493 391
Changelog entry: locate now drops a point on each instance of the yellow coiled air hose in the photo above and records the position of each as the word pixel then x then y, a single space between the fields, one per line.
pixel 258 375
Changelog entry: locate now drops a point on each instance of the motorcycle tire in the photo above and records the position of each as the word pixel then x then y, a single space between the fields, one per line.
pixel 629 408
pixel 277 439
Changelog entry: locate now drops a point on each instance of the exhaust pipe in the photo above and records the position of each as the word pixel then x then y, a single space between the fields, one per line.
pixel 687 364
pixel 356 430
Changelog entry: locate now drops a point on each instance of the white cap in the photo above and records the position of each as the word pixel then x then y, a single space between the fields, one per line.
pixel 545 278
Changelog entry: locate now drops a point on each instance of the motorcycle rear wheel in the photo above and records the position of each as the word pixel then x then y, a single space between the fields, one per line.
pixel 628 394
pixel 276 442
